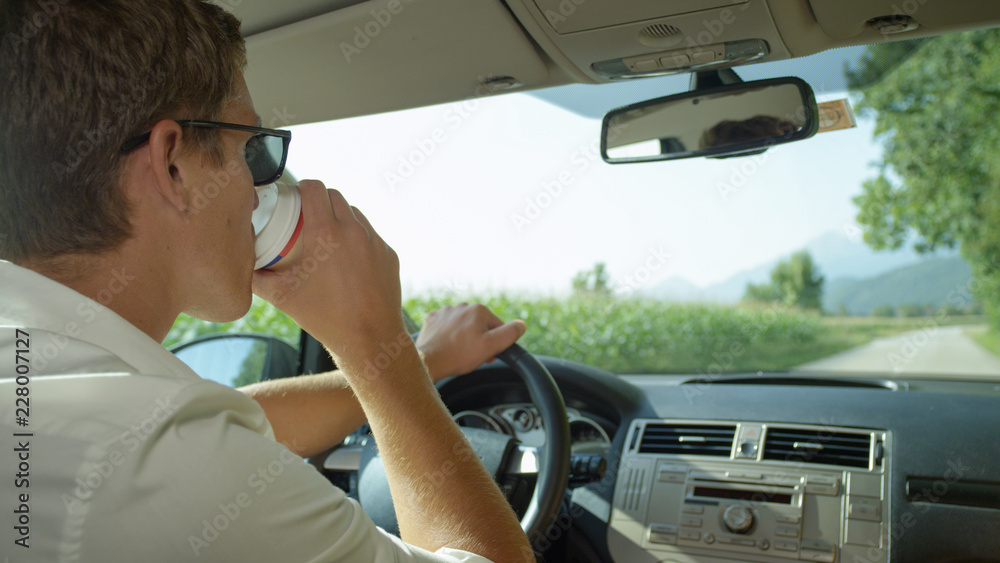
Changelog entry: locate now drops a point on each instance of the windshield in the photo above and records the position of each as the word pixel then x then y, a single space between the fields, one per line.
pixel 833 254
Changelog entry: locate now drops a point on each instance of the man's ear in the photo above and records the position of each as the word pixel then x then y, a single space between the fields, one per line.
pixel 168 168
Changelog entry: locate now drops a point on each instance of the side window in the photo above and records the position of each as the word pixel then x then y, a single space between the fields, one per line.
pixel 261 345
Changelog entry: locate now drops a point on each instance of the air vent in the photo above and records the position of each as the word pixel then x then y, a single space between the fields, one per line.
pixel 660 35
pixel 818 446
pixel 689 439
pixel 659 31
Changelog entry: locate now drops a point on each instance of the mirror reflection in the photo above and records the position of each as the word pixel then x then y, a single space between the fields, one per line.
pixel 732 119
pixel 236 360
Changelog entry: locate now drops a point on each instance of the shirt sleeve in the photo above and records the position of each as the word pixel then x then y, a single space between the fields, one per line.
pixel 208 484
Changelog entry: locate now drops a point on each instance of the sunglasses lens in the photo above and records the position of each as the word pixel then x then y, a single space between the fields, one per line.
pixel 264 154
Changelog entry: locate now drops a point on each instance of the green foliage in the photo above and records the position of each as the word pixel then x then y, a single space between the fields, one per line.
pixel 939 176
pixel 253 365
pixel 592 282
pixel 879 61
pixel 794 283
pixel 884 311
pixel 262 318
pixel 637 336
pixel 914 310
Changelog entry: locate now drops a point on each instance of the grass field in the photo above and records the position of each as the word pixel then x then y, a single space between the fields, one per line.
pixel 644 336
pixel 986 337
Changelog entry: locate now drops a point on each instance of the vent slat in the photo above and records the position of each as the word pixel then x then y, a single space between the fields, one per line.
pixel 687 439
pixel 834 448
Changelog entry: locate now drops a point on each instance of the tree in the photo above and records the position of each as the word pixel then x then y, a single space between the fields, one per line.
pixel 592 282
pixel 795 282
pixel 939 177
pixel 884 311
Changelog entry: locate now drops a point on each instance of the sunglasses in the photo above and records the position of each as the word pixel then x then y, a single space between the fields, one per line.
pixel 266 151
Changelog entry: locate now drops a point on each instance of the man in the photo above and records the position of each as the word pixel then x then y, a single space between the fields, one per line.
pixel 128 150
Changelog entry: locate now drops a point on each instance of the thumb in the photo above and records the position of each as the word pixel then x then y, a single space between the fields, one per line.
pixel 501 337
pixel 270 286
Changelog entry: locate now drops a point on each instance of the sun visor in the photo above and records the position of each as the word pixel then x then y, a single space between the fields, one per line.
pixel 380 55
pixel 844 19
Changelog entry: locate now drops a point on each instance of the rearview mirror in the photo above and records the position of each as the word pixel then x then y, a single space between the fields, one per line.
pixel 734 120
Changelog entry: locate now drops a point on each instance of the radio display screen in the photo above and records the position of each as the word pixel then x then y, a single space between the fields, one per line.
pixel 737 494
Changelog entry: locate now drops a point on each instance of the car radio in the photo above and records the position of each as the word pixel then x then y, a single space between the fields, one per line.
pixel 692 491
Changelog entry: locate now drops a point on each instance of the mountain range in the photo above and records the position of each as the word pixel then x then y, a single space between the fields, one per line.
pixel 855 276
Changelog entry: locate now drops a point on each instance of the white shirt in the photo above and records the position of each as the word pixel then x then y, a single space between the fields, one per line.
pixel 133 457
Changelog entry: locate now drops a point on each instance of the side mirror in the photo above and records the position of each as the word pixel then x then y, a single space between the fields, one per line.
pixel 236 360
pixel 733 120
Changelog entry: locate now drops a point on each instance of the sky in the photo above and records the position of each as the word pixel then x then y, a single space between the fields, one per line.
pixel 510 193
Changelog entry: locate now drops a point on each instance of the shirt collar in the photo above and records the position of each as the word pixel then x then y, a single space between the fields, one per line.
pixel 32 300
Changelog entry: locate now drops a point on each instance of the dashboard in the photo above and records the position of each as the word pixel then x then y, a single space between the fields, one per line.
pixel 522 421
pixel 765 468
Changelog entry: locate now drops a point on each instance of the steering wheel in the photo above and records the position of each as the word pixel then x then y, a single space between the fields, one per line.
pixel 501 454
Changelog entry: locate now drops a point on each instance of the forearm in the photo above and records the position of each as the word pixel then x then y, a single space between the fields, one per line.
pixel 311 413
pixel 420 444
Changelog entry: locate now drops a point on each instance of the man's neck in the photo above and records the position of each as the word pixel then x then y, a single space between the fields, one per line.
pixel 133 289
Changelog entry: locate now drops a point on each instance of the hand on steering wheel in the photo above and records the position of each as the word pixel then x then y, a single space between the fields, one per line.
pixel 500 453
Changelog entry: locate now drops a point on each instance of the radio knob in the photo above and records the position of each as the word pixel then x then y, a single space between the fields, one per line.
pixel 738 518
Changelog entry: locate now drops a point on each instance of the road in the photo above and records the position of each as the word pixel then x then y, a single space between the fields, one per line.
pixel 933 350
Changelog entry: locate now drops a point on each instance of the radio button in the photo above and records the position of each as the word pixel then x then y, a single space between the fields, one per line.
pixel 693 522
pixel 671 477
pixel 816 550
pixel 787 532
pixel 663 528
pixel 690 535
pixel 864 485
pixel 670 539
pixel 764 544
pixel 788 519
pixel 860 508
pixel 663 533
pixel 693 509
pixel 747 542
pixel 786 546
pixel 823 486
pixel 709 539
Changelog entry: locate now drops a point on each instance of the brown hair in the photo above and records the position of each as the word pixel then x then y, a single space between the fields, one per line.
pixel 81 77
pixel 726 133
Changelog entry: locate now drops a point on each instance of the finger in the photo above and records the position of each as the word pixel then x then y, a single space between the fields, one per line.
pixel 484 315
pixel 367 224
pixel 362 219
pixel 269 286
pixel 341 209
pixel 316 205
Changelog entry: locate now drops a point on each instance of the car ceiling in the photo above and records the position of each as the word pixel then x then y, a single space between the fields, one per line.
pixel 317 60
